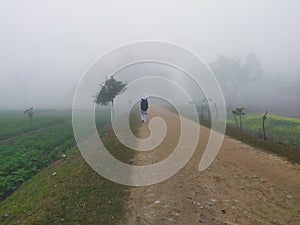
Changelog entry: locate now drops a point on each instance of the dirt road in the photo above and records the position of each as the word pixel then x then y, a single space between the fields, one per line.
pixel 242 186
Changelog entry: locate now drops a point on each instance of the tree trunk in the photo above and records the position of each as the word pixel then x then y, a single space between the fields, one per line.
pixel 217 111
pixel 241 126
pixel 236 122
pixel 263 125
pixel 112 107
pixel 208 111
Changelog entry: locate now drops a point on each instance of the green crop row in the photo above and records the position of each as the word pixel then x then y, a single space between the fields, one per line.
pixel 283 130
pixel 20 160
pixel 14 123
pixel 22 157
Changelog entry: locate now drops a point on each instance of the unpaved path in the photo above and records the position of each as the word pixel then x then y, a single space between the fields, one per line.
pixel 242 186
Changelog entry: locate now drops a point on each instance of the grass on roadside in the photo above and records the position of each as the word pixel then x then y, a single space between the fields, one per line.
pixel 70 192
pixel 281 126
pixel 284 130
pixel 75 195
pixel 291 153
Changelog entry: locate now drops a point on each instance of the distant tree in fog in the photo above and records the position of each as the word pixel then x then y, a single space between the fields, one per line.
pixel 236 75
pixel 233 70
pixel 29 112
pixel 109 90
pixel 234 112
pixel 239 112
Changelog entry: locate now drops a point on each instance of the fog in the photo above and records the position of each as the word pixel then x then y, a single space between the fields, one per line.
pixel 46 46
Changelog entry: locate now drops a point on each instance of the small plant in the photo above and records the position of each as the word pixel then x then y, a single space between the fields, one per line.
pixel 235 119
pixel 29 112
pixel 238 112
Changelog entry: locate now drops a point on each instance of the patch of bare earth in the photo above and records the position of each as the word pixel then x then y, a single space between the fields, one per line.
pixel 242 186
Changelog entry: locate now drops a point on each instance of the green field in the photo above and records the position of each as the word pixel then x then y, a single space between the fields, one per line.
pixel 27 146
pixel 75 195
pixel 31 152
pixel 39 186
pixel 14 122
pixel 282 130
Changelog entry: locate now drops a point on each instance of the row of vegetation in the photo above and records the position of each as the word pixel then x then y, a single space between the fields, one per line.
pixel 268 132
pixel 76 194
pixel 283 130
pixel 68 191
pixel 279 129
pixel 24 152
pixel 24 156
pixel 14 123
pixel 290 153
pixel 20 160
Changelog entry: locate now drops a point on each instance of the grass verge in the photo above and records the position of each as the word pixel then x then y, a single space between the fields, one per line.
pixel 284 130
pixel 70 192
pixel 291 153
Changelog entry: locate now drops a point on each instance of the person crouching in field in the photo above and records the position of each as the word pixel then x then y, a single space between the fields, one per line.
pixel 144 108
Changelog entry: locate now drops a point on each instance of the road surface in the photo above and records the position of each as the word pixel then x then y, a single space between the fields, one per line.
pixel 242 186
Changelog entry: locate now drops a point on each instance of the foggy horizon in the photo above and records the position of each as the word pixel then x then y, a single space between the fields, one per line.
pixel 46 47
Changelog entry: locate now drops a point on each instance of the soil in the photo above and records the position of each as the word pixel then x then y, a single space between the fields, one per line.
pixel 243 185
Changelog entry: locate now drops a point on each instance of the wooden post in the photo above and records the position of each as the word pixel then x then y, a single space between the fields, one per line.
pixel 263 125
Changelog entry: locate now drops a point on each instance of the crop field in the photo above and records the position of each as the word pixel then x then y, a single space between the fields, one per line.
pixel 29 145
pixel 283 130
pixel 40 186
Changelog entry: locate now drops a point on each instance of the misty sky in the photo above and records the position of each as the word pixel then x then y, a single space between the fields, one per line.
pixel 46 46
